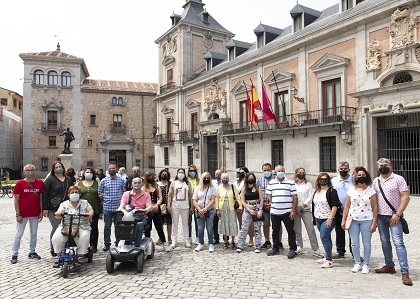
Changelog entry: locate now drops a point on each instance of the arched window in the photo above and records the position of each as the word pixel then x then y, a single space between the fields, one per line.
pixel 39 77
pixel 52 78
pixel 114 100
pixel 65 79
pixel 402 78
pixel 120 101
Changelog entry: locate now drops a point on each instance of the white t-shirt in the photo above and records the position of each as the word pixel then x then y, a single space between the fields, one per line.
pixel 360 205
pixel 180 197
pixel 322 208
pixel 203 197
pixel 304 193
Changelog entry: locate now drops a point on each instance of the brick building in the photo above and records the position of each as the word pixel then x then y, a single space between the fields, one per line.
pixel 343 83
pixel 112 121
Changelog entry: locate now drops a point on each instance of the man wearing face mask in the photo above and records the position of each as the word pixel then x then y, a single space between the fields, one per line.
pixel 341 184
pixel 395 191
pixel 135 173
pixel 282 196
pixel 28 206
pixel 110 191
pixel 216 183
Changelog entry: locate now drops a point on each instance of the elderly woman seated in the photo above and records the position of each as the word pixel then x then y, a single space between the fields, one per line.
pixel 74 206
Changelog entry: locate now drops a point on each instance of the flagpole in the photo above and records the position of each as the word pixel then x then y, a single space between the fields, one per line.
pixel 248 100
pixel 282 99
pixel 269 102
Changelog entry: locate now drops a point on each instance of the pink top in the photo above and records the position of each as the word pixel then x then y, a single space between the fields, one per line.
pixel 139 201
pixel 392 187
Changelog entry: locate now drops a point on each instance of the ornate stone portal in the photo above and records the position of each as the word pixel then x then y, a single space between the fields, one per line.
pixel 215 100
pixel 170 46
pixel 373 61
pixel 401 30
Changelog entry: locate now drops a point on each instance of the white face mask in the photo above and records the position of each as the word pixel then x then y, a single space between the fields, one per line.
pixel 74 197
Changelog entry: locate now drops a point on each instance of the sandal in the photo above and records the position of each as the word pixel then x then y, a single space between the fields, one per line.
pixel 250 244
pixel 226 246
pixel 80 259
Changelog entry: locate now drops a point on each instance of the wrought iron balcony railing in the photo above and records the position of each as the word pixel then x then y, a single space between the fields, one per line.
pixel 188 135
pixel 115 129
pixel 166 87
pixel 164 138
pixel 51 127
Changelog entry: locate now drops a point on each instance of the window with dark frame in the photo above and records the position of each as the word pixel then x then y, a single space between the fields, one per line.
pixel 138 162
pixel 93 120
pixel 20 105
pixel 114 100
pixel 52 78
pixel 4 102
pixel 327 154
pixel 52 141
pixel 190 155
pixel 117 120
pixel 39 77
pixel 260 40
pixel 240 154
pixel 168 129
pixel 65 79
pixel 90 142
pixel 52 119
pixel 277 153
pixel 281 98
pixel 14 103
pixel 44 163
pixel 169 75
pixel 331 96
pixel 151 162
pixel 243 114
pixel 120 101
pixel 166 156
pixel 194 124
pixel 89 164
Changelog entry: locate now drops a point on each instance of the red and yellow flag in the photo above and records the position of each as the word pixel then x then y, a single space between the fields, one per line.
pixel 251 112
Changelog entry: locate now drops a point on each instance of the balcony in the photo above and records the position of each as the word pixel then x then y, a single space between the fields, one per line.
pixel 117 129
pixel 167 87
pixel 51 127
pixel 307 119
pixel 188 135
pixel 164 138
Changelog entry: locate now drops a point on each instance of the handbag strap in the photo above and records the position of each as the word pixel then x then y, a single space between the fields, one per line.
pixel 383 195
pixel 129 199
pixel 205 196
pixel 233 191
pixel 32 188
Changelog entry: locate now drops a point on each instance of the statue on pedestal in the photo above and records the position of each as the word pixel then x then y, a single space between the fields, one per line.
pixel 68 138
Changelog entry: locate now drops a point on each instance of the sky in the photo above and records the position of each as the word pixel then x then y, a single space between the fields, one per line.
pixel 117 38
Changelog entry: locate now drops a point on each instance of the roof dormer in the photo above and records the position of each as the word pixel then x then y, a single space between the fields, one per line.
pixel 204 16
pixel 175 19
pixel 266 34
pixel 347 4
pixel 236 48
pixel 303 16
pixel 213 59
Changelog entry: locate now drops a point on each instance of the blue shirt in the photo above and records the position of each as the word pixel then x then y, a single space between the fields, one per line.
pixel 112 190
pixel 262 182
pixel 342 186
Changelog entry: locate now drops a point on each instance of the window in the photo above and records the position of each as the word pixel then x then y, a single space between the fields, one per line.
pixel 52 78
pixel 4 102
pixel 117 120
pixel 90 142
pixel 20 105
pixel 114 100
pixel 331 96
pixel 52 120
pixel 65 79
pixel 52 141
pixel 194 125
pixel 89 164
pixel 297 23
pixel 327 156
pixel 138 162
pixel 231 54
pixel 93 120
pixel 120 101
pixel 282 98
pixel 240 154
pixel 151 162
pixel 346 4
pixel 243 113
pixel 168 129
pixel 190 153
pixel 44 163
pixel 402 78
pixel 117 101
pixel 208 64
pixel 260 40
pixel 39 77
pixel 14 103
pixel 277 157
pixel 169 76
pixel 166 156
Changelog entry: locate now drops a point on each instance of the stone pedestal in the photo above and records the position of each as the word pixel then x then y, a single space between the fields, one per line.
pixel 67 160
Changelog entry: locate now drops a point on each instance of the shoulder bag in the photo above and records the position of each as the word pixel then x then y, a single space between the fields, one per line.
pixel 163 210
pixel 236 204
pixel 402 219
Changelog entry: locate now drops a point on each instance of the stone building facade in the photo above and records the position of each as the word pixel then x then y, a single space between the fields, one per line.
pixel 112 121
pixel 343 84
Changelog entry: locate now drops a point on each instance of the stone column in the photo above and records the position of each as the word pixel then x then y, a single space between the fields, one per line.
pixel 67 160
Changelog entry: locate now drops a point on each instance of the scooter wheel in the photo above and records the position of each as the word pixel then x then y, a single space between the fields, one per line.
pixel 66 269
pixel 140 262
pixel 152 253
pixel 109 263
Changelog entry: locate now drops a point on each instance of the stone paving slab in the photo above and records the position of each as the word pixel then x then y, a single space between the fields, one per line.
pixel 184 273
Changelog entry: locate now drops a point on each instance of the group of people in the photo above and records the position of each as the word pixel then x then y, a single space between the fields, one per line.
pixel 348 201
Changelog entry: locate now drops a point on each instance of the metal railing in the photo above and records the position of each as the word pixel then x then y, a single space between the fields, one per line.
pixel 162 138
pixel 48 127
pixel 188 135
pixel 166 87
pixel 117 129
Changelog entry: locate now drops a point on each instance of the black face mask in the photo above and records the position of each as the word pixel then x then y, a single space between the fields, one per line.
pixel 301 176
pixel 343 173
pixel 361 180
pixel 241 175
pixel 164 177
pixel 323 182
pixel 384 169
pixel 206 181
pixel 251 181
pixel 136 175
pixel 112 172
pixel 218 178
pixel 151 181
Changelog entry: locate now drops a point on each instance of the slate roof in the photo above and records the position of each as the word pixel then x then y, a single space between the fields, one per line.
pixel 298 9
pixel 110 85
pixel 239 44
pixel 215 55
pixel 265 28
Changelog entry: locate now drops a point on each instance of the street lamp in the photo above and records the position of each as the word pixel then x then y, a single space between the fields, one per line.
pixel 346 130
pixel 294 93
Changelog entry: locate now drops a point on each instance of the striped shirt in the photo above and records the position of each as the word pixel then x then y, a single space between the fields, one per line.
pixel 281 196
pixel 263 183
pixel 112 190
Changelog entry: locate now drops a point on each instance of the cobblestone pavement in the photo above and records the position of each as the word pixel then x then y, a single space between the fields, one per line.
pixel 184 273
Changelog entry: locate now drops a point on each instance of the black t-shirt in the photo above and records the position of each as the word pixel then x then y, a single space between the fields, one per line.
pixel 249 195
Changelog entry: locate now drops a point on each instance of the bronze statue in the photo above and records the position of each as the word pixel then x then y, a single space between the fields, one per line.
pixel 68 138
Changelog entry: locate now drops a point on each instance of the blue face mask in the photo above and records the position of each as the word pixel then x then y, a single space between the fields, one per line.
pixel 280 174
pixel 88 176
pixel 137 187
pixel 267 174
pixel 192 174
pixel 181 176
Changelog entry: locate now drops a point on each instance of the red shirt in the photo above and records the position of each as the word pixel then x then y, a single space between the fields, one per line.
pixel 139 201
pixel 28 200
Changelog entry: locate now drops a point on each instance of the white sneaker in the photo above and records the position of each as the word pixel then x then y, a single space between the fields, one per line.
pixel 166 247
pixel 321 261
pixel 356 268
pixel 198 248
pixel 365 269
pixel 317 253
pixel 211 248
pixel 257 250
pixel 196 241
pixel 299 250
pixel 327 264
pixel 188 244
pixel 173 245
pixel 238 250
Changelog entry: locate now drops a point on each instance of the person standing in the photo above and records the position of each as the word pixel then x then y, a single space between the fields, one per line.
pixel 240 183
pixel 28 207
pixel 56 191
pixel 392 187
pixel 282 196
pixel 135 173
pixel 193 181
pixel 110 191
pixel 164 183
pixel 122 174
pixel 100 174
pixel 216 183
pixel 341 184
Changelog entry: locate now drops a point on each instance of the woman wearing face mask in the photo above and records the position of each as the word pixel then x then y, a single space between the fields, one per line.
pixel 164 183
pixel 325 203
pixel 179 203
pixel 305 192
pixel 240 182
pixel 252 202
pixel 75 205
pixel 361 205
pixel 226 195
pixel 56 192
pixel 155 193
pixel 193 181
pixel 89 191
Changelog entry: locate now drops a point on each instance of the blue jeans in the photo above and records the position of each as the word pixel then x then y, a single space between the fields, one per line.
pixel 397 238
pixel 355 229
pixel 206 222
pixel 325 235
pixel 109 217
pixel 20 229
pixel 140 229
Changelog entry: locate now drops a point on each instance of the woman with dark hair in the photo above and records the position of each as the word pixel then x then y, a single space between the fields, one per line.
pixel 164 183
pixel 325 204
pixel 193 181
pixel 179 204
pixel 361 205
pixel 150 186
pixel 240 182
pixel 89 191
pixel 56 189
pixel 71 174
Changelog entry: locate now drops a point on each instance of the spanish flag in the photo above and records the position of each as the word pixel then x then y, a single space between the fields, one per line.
pixel 251 112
